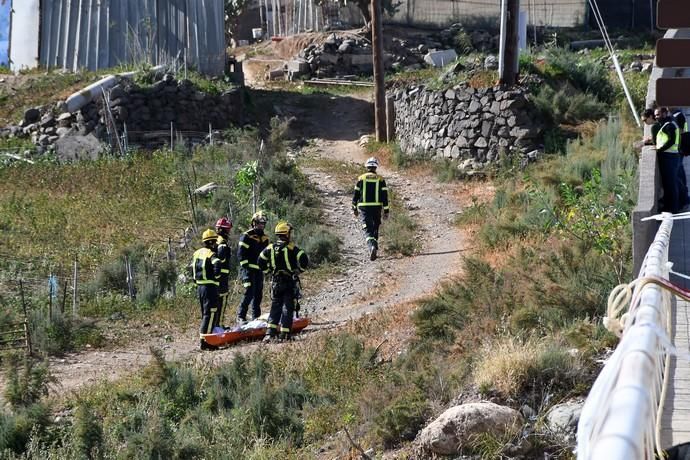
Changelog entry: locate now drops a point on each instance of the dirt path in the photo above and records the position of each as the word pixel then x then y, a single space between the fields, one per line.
pixel 333 127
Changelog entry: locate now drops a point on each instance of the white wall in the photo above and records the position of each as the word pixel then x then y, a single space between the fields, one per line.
pixel 24 23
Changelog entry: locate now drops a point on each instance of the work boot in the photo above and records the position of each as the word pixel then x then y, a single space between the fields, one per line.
pixel 284 337
pixel 372 253
pixel 204 346
pixel 269 339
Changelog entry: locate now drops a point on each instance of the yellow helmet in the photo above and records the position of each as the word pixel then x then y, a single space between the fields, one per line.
pixel 209 235
pixel 283 228
pixel 260 217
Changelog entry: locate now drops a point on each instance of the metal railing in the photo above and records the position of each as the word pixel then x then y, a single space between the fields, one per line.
pixel 620 417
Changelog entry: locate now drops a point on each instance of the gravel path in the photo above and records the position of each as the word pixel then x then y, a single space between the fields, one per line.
pixel 362 286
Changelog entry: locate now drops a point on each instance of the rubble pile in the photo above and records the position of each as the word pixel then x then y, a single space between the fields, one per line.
pixel 142 109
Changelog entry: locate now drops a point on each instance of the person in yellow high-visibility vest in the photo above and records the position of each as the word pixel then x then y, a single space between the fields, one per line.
pixel 206 266
pixel 669 159
pixel 284 261
pixel 370 198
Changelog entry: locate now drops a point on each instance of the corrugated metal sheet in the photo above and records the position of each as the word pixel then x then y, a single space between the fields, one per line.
pixel 98 34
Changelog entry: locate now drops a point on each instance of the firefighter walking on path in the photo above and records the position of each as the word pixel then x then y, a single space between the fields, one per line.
pixel 285 261
pixel 223 227
pixel 207 269
pixel 251 243
pixel 369 200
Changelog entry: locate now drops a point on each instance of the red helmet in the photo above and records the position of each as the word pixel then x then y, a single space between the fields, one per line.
pixel 224 223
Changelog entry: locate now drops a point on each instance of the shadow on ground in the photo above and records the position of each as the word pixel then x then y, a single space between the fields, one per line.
pixel 317 115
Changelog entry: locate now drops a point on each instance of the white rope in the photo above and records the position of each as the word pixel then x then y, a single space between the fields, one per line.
pixel 609 46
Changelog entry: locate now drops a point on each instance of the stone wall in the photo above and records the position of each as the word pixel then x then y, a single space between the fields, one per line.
pixel 143 109
pixel 168 100
pixel 465 123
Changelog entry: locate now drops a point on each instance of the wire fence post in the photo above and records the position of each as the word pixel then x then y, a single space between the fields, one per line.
pixel 130 279
pixel 50 296
pixel 27 339
pixel 75 289
pixel 172 140
pixel 210 134
pixel 171 259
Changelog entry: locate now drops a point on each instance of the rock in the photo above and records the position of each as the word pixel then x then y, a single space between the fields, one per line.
pixel 456 426
pixel 76 147
pixel 440 58
pixel 562 419
pixel 32 115
pixel 491 62
pixel 204 190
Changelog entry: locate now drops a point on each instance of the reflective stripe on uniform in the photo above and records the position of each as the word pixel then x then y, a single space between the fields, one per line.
pixel 243 262
pixel 244 245
pixel 215 283
pixel 287 260
pixel 284 329
pixel 272 326
pixel 254 266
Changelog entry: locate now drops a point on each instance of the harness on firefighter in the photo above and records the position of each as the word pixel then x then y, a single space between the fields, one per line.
pixel 296 290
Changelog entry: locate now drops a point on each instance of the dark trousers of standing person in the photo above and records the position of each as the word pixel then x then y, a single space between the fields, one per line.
pixel 282 305
pixel 371 221
pixel 669 169
pixel 252 293
pixel 683 199
pixel 208 300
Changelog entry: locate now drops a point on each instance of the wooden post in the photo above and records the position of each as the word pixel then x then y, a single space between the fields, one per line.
pixel 390 119
pixel 75 289
pixel 508 50
pixel 377 48
pixel 50 297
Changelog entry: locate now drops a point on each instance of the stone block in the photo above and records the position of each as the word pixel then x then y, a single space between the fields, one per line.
pixel 440 58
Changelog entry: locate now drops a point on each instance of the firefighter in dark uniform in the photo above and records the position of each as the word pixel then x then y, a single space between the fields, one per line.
pixel 284 260
pixel 207 266
pixel 369 199
pixel 223 227
pixel 251 243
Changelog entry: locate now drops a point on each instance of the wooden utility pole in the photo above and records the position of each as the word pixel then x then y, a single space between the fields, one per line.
pixel 379 88
pixel 508 59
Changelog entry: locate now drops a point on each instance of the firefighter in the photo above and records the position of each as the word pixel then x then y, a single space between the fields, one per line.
pixel 207 269
pixel 251 243
pixel 285 261
pixel 369 199
pixel 223 227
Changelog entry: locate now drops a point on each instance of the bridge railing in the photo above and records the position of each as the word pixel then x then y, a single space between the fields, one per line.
pixel 620 417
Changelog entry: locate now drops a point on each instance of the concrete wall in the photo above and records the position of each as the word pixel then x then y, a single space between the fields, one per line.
pixel 553 13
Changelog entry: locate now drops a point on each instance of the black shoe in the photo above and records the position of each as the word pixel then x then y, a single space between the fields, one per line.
pixel 203 345
pixel 372 254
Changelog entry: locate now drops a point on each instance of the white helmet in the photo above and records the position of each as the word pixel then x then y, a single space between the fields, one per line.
pixel 372 162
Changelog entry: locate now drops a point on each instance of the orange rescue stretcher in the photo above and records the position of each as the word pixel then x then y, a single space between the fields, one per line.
pixel 252 330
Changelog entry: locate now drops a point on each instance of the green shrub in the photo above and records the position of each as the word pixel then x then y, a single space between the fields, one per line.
pixel 88 432
pixel 27 381
pixel 17 429
pixel 402 418
pixel 322 247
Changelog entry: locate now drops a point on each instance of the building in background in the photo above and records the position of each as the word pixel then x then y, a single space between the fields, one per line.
pixel 96 34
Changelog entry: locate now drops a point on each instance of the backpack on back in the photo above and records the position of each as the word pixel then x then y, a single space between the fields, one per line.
pixel 684 146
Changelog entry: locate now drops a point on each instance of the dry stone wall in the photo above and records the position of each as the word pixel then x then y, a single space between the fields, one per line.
pixel 465 123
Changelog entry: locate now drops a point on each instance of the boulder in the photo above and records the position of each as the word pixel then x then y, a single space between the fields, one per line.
pixel 448 433
pixel 562 419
